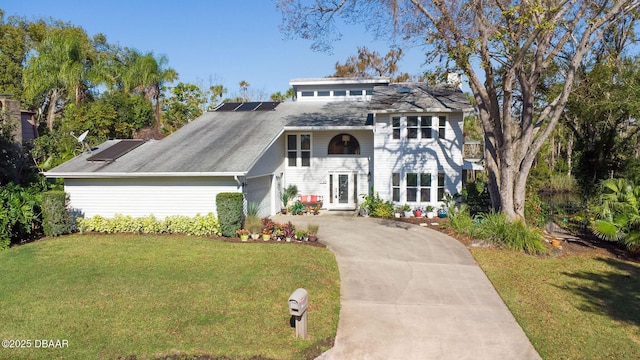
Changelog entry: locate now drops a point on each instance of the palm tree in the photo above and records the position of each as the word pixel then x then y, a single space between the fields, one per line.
pixel 290 94
pixel 217 91
pixel 146 75
pixel 618 214
pixel 278 96
pixel 243 87
pixel 60 70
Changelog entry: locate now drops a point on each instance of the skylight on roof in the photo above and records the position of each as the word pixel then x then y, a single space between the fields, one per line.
pixel 404 90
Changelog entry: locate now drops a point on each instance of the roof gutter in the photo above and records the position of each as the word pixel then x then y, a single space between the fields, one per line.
pixel 109 175
pixel 309 128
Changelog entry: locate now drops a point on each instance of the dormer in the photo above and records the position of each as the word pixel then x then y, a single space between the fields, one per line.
pixel 336 89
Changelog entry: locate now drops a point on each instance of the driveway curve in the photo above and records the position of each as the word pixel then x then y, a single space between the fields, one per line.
pixel 409 292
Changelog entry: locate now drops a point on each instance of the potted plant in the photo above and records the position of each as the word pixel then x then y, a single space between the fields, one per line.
pixel 243 233
pixel 289 231
pixel 254 225
pixel 298 208
pixel 278 231
pixel 312 230
pixel 316 210
pixel 287 194
pixel 301 235
pixel 429 209
pixel 406 209
pixel 442 212
pixel 267 228
pixel 285 200
pixel 397 212
pixel 418 211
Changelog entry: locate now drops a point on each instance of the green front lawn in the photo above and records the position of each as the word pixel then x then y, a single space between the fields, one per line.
pixel 574 307
pixel 150 296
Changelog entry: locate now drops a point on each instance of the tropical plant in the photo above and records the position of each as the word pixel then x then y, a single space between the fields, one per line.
pixel 618 213
pixel 242 232
pixel 289 230
pixel 298 208
pixel 376 207
pixel 287 194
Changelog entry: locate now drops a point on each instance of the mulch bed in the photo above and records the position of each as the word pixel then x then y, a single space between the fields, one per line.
pixel 576 243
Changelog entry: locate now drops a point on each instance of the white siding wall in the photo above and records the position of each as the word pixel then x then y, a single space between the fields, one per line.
pixel 314 180
pixel 271 162
pixel 259 191
pixel 418 156
pixel 145 196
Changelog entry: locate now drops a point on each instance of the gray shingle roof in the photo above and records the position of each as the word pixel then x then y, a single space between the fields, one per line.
pixel 216 142
pixel 229 142
pixel 408 97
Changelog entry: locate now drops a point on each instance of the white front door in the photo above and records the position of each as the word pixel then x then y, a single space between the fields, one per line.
pixel 342 190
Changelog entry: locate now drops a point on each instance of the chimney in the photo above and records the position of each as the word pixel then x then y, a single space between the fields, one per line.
pixel 12 109
pixel 453 79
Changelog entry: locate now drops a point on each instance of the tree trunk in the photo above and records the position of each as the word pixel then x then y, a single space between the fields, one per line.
pixel 54 97
pixel 569 153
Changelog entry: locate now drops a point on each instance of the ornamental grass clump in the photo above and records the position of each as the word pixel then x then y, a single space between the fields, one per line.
pixel 515 235
pixel 496 228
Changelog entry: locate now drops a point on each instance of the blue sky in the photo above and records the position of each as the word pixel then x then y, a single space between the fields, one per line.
pixel 212 41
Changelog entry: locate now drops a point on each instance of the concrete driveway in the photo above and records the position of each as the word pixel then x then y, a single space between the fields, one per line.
pixel 409 292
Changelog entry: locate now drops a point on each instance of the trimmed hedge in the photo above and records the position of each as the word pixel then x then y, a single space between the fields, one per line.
pixel 230 208
pixel 199 225
pixel 55 214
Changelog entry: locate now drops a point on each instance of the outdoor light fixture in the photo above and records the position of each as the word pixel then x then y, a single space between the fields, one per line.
pixel 346 139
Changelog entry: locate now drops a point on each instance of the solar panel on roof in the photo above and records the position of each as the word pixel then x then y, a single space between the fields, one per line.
pixel 267 106
pixel 117 150
pixel 248 106
pixel 230 106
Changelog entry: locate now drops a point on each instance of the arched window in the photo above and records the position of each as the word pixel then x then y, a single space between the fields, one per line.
pixel 344 144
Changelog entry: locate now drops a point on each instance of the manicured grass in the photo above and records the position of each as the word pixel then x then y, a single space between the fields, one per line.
pixel 149 296
pixel 574 307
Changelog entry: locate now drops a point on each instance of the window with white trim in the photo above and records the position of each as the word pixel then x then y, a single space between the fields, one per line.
pixel 412 187
pixel 441 186
pixel 395 126
pixel 442 124
pixel 299 146
pixel 395 187
pixel 425 187
pixel 305 149
pixel 412 127
pixel 425 127
pixel 292 150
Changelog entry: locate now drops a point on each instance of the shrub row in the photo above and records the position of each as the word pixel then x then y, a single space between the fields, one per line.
pixel 198 225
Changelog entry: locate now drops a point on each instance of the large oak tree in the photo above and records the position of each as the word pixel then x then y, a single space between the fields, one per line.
pixel 505 48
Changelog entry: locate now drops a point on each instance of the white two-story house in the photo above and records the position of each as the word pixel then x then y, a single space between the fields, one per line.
pixel 339 140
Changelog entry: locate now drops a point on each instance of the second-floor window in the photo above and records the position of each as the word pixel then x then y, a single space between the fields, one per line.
pixel 299 147
pixel 418 127
pixel 395 126
pixel 442 125
pixel 425 127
